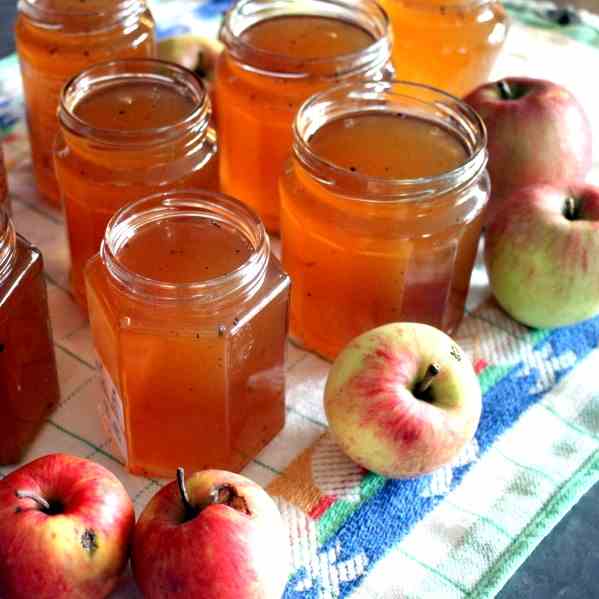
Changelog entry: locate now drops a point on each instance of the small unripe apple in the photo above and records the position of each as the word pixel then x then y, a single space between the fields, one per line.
pixel 402 399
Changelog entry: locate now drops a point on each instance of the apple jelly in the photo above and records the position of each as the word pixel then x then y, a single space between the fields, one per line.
pixel 449 44
pixel 276 55
pixel 381 210
pixel 188 310
pixel 56 39
pixel 129 128
pixel 28 381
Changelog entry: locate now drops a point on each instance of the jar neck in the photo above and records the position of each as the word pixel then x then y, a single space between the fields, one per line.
pixel 8 246
pixel 229 289
pixel 367 15
pixel 94 15
pixel 135 147
pixel 390 97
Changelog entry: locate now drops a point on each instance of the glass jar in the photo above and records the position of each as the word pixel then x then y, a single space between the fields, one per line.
pixel 28 380
pixel 264 75
pixel 450 44
pixel 188 310
pixel 128 128
pixel 380 221
pixel 56 39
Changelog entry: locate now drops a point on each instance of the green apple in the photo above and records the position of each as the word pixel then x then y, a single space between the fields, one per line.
pixel 542 254
pixel 402 399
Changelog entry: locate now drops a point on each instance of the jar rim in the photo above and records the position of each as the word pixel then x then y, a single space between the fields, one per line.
pixel 242 281
pixel 378 189
pixel 122 9
pixel 376 55
pixel 148 69
pixel 8 241
pixel 449 6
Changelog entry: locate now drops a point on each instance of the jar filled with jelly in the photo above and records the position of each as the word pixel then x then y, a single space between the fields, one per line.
pixel 381 210
pixel 449 44
pixel 188 310
pixel 56 39
pixel 276 55
pixel 128 128
pixel 28 380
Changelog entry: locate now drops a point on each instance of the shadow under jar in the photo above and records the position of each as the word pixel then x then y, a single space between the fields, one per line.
pixel 449 44
pixel 56 39
pixel 188 310
pixel 28 380
pixel 381 210
pixel 276 55
pixel 129 128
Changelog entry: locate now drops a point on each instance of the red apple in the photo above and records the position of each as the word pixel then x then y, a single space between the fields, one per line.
pixel 537 133
pixel 216 535
pixel 402 399
pixel 65 527
pixel 542 254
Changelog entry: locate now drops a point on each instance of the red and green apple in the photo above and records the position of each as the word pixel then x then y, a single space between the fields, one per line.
pixel 402 399
pixel 65 528
pixel 542 254
pixel 214 535
pixel 537 133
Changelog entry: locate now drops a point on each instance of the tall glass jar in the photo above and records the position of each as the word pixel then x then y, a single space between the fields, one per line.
pixel 276 55
pixel 188 310
pixel 128 128
pixel 449 44
pixel 56 39
pixel 375 226
pixel 28 380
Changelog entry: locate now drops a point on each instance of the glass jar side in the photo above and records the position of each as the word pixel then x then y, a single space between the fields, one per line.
pixel 259 92
pixel 52 47
pixel 363 251
pixel 4 197
pixel 214 357
pixel 29 388
pixel 101 170
pixel 449 44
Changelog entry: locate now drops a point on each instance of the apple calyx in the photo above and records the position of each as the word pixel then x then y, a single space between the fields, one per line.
pixel 510 91
pixel 51 509
pixel 571 209
pixel 225 494
pixel 420 391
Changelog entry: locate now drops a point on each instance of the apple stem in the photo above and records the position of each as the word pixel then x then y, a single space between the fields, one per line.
pixel 431 372
pixel 33 496
pixel 505 91
pixel 570 208
pixel 190 511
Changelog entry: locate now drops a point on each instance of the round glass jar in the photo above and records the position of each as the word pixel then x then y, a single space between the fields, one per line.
pixel 128 128
pixel 56 39
pixel 368 237
pixel 449 44
pixel 276 55
pixel 188 311
pixel 28 380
